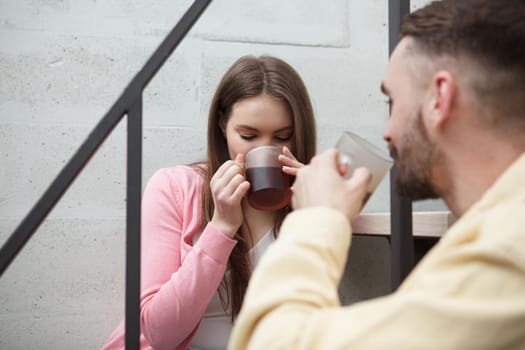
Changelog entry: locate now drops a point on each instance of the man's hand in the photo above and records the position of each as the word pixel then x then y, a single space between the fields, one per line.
pixel 320 184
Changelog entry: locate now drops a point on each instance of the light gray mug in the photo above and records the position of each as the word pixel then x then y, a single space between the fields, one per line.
pixel 357 152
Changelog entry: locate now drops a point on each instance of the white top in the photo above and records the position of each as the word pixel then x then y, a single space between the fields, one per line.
pixel 216 326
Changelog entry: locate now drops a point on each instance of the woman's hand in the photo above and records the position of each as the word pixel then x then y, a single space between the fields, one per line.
pixel 228 187
pixel 289 162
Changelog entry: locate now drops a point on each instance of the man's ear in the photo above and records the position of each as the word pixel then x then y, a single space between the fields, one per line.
pixel 443 90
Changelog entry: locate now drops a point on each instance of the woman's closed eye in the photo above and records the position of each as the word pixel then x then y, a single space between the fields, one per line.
pixel 247 137
pixel 277 137
pixel 283 138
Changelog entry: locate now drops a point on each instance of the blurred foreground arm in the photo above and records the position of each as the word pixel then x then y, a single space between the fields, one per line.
pixel 467 293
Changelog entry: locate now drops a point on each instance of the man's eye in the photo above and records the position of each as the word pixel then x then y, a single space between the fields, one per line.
pixel 389 102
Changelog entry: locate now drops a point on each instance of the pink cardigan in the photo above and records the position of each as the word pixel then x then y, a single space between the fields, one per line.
pixel 178 279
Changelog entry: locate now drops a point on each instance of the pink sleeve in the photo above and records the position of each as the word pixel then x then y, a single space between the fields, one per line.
pixel 174 295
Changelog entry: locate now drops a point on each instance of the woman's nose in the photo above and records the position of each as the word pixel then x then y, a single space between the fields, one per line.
pixel 267 141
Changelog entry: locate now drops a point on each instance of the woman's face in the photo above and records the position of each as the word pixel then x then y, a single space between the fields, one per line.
pixel 258 121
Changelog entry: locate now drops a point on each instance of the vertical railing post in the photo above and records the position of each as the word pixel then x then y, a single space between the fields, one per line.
pixel 401 239
pixel 134 176
pixel 133 204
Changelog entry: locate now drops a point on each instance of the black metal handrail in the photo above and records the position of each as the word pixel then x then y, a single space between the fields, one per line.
pixel 129 103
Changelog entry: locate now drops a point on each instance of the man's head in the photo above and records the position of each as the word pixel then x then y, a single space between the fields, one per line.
pixel 455 58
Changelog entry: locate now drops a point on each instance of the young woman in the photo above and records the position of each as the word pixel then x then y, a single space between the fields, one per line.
pixel 200 237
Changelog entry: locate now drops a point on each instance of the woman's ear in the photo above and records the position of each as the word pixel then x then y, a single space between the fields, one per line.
pixel 443 91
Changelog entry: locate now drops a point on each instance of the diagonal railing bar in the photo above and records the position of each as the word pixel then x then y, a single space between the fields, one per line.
pixel 75 165
pixel 401 239
pixel 130 103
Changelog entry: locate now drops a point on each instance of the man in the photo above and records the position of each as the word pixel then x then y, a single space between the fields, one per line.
pixel 456 85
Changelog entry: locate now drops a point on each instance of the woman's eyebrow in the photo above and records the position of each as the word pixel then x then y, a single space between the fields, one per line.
pixel 251 128
pixel 246 127
pixel 286 128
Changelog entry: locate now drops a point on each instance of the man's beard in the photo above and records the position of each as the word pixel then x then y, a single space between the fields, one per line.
pixel 414 161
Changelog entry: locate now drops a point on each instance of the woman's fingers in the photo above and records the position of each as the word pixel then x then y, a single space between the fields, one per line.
pixel 229 183
pixel 289 162
pixel 290 171
pixel 238 161
pixel 228 187
pixel 240 190
pixel 231 186
pixel 287 152
pixel 288 159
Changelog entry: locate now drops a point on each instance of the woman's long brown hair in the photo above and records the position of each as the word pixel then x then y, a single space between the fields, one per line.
pixel 251 76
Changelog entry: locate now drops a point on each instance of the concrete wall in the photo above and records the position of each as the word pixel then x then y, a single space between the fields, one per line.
pixel 62 65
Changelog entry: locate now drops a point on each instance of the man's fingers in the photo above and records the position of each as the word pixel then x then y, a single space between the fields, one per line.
pixel 343 168
pixel 328 158
pixel 361 177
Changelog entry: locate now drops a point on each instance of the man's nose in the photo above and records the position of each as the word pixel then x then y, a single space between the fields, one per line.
pixel 386 133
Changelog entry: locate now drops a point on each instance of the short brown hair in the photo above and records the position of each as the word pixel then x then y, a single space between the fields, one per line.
pixel 489 33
